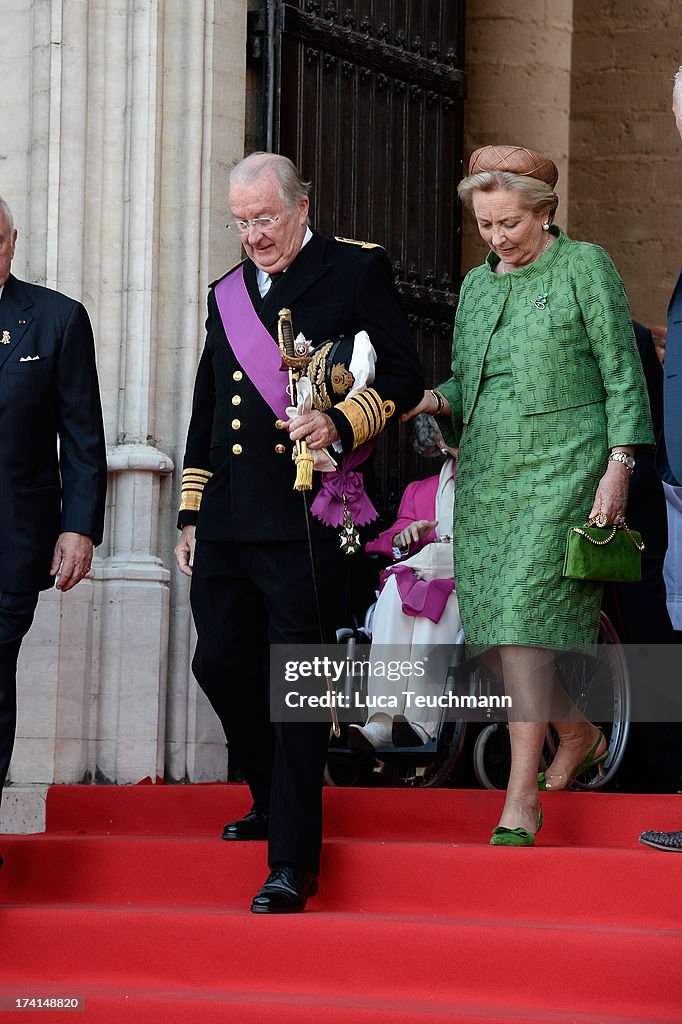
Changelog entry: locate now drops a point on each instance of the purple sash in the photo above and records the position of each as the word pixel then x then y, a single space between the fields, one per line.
pixel 256 350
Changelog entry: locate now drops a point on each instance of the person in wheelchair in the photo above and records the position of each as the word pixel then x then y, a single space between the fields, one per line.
pixel 417 605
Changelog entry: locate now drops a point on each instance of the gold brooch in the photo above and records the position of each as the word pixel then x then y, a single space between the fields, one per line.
pixel 5 338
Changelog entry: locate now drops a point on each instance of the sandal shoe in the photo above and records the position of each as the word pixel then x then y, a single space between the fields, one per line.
pixel 589 761
pixel 503 836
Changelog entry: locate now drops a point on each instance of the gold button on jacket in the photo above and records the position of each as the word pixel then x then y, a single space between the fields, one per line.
pixel 236 424
pixel 236 399
pixel 236 449
pixel 237 375
pixel 280 449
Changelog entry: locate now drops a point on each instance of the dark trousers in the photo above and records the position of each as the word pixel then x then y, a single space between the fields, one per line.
pixel 245 597
pixel 16 616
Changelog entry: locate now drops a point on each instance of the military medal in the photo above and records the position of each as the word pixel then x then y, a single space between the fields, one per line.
pixel 5 338
pixel 349 538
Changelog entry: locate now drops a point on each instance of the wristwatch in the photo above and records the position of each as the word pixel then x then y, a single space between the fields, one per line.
pixel 623 457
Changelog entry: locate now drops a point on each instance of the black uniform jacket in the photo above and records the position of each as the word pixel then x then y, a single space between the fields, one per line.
pixel 332 288
pixel 53 473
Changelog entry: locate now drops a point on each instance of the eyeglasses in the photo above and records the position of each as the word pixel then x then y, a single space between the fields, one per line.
pixel 243 227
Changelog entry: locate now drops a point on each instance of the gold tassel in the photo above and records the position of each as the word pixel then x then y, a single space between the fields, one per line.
pixel 304 471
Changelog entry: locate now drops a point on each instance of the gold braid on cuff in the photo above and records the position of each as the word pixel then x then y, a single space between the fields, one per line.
pixel 367 414
pixel 193 483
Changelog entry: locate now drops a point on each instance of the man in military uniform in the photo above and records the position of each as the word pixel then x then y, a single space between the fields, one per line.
pixel 244 534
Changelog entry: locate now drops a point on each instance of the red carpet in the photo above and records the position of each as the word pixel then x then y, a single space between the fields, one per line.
pixel 131 902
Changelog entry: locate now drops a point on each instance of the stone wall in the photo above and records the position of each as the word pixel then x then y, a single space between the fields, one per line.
pixel 589 82
pixel 518 61
pixel 626 155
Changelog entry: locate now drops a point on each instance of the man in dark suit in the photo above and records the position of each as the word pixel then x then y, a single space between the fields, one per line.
pixel 252 583
pixel 52 458
pixel 669 452
pixel 640 609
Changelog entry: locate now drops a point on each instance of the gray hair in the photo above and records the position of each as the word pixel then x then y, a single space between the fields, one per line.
pixel 426 437
pixel 4 206
pixel 537 196
pixel 292 185
pixel 677 87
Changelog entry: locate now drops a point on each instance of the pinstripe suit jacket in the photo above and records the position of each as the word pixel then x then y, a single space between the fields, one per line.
pixel 52 452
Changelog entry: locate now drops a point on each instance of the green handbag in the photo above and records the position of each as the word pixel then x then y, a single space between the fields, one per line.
pixel 592 556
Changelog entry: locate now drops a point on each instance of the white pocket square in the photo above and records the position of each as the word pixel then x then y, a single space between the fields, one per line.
pixel 28 359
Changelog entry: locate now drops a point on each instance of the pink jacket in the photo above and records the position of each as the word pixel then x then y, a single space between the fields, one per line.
pixel 418 502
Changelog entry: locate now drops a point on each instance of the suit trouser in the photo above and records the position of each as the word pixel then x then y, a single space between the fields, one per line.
pixel 245 597
pixel 16 616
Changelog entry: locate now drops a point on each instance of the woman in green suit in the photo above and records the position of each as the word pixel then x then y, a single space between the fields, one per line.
pixel 547 403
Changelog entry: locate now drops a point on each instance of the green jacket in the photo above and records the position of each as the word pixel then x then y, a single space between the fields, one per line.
pixel 577 344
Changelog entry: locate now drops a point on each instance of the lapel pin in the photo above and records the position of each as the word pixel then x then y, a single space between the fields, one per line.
pixel 5 340
pixel 21 323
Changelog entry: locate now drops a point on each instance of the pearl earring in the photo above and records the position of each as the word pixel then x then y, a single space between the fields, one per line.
pixel 545 226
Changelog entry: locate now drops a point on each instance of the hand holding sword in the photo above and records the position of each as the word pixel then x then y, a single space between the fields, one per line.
pixel 294 364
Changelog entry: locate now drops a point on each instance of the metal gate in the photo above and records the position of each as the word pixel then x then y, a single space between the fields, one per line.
pixel 366 97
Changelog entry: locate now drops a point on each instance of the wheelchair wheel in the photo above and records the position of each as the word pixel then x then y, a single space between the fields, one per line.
pixel 599 687
pixel 492 756
pixel 343 769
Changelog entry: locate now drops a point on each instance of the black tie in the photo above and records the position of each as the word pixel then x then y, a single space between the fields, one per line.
pixel 275 277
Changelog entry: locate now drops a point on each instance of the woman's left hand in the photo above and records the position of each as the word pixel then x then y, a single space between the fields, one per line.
pixel 612 493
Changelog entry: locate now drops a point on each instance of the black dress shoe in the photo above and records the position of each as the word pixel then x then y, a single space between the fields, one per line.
pixel 404 734
pixel 671 841
pixel 253 825
pixel 286 891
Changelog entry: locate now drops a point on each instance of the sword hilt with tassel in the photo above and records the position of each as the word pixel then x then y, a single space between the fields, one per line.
pixel 304 468
pixel 285 334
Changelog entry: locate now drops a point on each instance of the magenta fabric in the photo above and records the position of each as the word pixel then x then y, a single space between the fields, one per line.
pixel 418 597
pixel 328 505
pixel 256 350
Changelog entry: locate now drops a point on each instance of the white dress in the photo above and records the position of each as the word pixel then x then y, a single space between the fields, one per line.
pixel 392 629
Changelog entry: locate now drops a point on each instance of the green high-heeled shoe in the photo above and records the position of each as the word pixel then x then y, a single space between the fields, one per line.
pixel 589 761
pixel 503 836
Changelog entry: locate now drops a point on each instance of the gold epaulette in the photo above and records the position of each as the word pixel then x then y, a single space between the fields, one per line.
pixel 354 241
pixel 193 483
pixel 367 414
